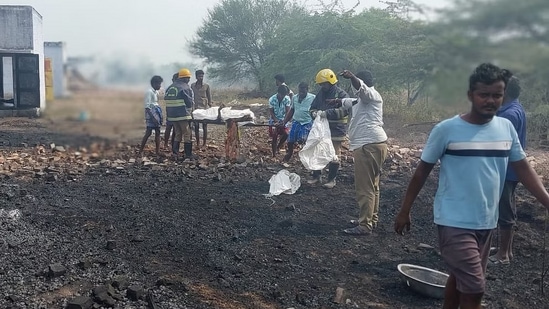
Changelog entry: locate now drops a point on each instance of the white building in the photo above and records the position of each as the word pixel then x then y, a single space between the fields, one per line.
pixel 56 52
pixel 22 58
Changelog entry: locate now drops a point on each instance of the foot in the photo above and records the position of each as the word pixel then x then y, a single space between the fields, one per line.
pixel 355 222
pixel 313 181
pixel 358 231
pixel 494 260
pixel 330 184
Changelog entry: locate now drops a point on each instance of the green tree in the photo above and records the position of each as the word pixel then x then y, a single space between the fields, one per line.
pixel 234 37
pixel 397 50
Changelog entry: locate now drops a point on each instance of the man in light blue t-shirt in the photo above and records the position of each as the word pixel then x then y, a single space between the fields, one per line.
pixel 300 118
pixel 474 150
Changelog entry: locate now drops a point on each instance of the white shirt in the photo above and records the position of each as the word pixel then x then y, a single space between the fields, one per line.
pixel 366 124
pixel 151 98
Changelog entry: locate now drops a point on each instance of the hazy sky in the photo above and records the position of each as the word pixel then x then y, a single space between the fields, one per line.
pixel 156 29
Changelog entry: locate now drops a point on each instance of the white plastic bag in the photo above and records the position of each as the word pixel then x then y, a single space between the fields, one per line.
pixel 318 150
pixel 284 182
pixel 206 114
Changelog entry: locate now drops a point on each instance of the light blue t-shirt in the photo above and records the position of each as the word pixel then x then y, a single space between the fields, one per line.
pixel 279 108
pixel 301 109
pixel 473 162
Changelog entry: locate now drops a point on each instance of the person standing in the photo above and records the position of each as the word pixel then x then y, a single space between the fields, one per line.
pixel 512 110
pixel 474 150
pixel 279 106
pixel 281 80
pixel 327 81
pixel 168 136
pixel 368 142
pixel 202 100
pixel 179 104
pixel 300 117
pixel 153 114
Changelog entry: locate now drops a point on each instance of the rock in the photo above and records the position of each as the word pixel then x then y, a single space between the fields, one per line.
pixel 51 177
pixel 111 244
pixel 103 295
pixel 80 302
pixel 84 264
pixel 165 281
pixel 339 297
pixel 59 149
pixel 121 283
pixel 425 246
pixel 56 270
pixel 135 292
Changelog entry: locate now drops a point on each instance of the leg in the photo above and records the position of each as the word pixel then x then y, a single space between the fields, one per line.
pixel 204 133
pixel 333 167
pixel 451 294
pixel 283 137
pixel 157 140
pixel 274 142
pixel 144 140
pixel 197 134
pixel 187 139
pixel 506 221
pixel 364 186
pixel 466 254
pixel 381 155
pixel 178 127
pixel 167 134
pixel 290 152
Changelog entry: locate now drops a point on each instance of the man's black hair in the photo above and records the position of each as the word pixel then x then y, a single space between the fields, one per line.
pixel 175 76
pixel 156 80
pixel 198 72
pixel 488 74
pixel 283 90
pixel 512 91
pixel 303 85
pixel 367 77
pixel 279 77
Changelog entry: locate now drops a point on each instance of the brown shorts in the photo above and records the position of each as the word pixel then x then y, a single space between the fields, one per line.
pixel 466 253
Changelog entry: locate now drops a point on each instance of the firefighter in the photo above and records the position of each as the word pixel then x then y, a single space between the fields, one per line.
pixel 179 100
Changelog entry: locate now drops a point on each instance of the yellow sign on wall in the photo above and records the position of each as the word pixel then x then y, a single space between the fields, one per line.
pixel 49 79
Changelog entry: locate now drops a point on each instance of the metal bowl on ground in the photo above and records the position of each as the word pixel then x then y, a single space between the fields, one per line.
pixel 426 281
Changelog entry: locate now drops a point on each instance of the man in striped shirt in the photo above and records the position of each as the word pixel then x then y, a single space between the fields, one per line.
pixel 474 150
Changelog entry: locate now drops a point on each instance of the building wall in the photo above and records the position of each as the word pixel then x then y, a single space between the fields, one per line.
pixel 56 52
pixel 21 32
pixel 38 47
pixel 16 28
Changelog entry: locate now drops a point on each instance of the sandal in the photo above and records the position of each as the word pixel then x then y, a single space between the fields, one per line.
pixel 495 261
pixel 357 231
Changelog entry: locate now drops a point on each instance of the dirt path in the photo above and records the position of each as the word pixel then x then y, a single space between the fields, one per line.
pixel 204 236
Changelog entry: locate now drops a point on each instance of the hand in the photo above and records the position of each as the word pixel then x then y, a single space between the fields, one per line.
pixel 334 102
pixel 346 74
pixel 403 220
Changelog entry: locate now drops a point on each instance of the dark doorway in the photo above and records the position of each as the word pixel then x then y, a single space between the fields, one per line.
pixel 20 81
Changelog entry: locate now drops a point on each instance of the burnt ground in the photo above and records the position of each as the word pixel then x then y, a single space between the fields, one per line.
pixel 203 235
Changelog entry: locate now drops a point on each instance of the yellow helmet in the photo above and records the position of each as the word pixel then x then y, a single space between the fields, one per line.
pixel 326 75
pixel 184 73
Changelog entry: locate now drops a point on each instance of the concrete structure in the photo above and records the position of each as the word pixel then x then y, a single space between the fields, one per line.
pixel 22 58
pixel 55 51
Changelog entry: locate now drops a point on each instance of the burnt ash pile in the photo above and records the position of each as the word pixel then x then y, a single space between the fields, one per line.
pixel 93 227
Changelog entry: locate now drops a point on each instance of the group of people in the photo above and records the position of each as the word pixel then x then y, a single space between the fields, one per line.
pixel 360 118
pixel 481 155
pixel 181 99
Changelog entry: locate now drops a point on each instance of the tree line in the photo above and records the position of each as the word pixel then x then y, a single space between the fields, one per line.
pixel 252 40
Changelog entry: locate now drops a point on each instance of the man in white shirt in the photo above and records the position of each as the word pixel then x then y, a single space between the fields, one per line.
pixel 153 115
pixel 368 143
